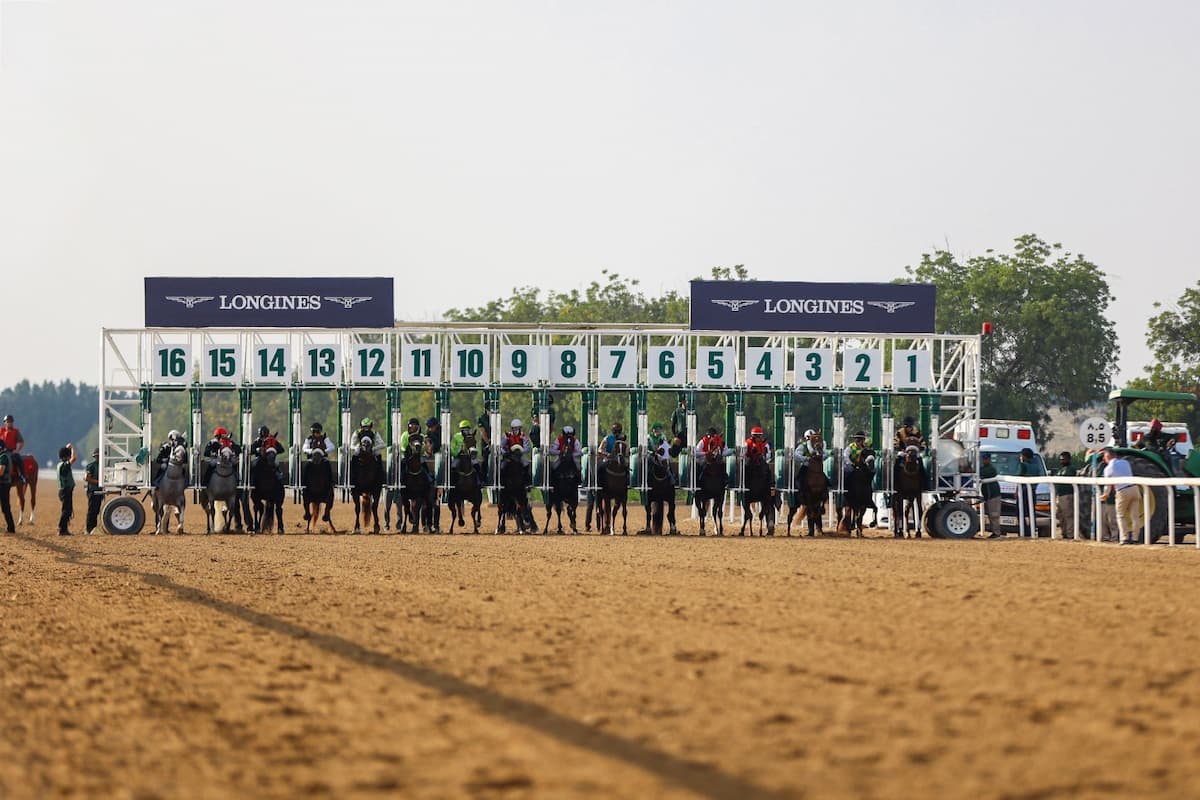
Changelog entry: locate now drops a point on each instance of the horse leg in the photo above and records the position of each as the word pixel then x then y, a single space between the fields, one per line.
pixel 625 518
pixel 918 513
pixel 354 495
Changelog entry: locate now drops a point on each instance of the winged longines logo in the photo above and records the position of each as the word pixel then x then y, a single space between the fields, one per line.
pixel 891 306
pixel 735 305
pixel 190 301
pixel 348 302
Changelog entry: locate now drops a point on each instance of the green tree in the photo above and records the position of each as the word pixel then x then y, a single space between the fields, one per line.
pixel 1173 335
pixel 52 414
pixel 1052 342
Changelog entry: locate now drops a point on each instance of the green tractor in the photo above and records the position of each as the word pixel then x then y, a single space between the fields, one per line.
pixel 1150 463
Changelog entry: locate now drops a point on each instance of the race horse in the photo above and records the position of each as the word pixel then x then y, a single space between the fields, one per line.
pixel 860 479
pixel 318 479
pixel 267 492
pixel 564 491
pixel 514 502
pixel 758 487
pixel 812 487
pixel 415 484
pixel 170 496
pixel 218 497
pixel 710 490
pixel 29 469
pixel 614 490
pixel 660 494
pixel 465 487
pixel 908 481
pixel 366 483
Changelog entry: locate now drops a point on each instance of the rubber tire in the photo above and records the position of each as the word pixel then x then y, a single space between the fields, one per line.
pixel 929 522
pixel 955 520
pixel 124 516
pixel 1145 468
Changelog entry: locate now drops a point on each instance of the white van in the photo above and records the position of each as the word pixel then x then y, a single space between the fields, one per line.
pixel 1004 439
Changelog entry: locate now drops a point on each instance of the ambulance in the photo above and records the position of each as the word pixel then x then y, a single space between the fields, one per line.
pixel 1004 439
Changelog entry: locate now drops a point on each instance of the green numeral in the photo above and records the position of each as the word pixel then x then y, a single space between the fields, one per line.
pixel 422 363
pixel 813 373
pixel 272 365
pixel 322 362
pixel 666 365
pixel 763 369
pixel 716 365
pixel 568 369
pixel 864 373
pixel 370 362
pixel 619 355
pixel 222 362
pixel 520 363
pixel 912 368
pixel 470 363
pixel 172 362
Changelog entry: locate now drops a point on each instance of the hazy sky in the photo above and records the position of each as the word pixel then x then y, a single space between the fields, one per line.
pixel 465 147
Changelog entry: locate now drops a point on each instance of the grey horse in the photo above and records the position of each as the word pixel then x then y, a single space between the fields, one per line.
pixel 218 497
pixel 171 493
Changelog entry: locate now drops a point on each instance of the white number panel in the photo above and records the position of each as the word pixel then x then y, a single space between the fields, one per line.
pixel 469 364
pixel 618 365
pixel 568 366
pixel 420 363
pixel 173 363
pixel 765 366
pixel 322 363
pixel 222 363
pixel 912 369
pixel 522 364
pixel 815 367
pixel 716 366
pixel 271 363
pixel 665 366
pixel 862 369
pixel 372 363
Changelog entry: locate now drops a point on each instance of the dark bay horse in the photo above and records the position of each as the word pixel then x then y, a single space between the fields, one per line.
pixel 219 496
pixel 710 490
pixel 414 489
pixel 812 485
pixel 28 466
pixel 860 480
pixel 614 490
pixel 758 487
pixel 908 481
pixel 660 494
pixel 514 501
pixel 267 492
pixel 564 491
pixel 319 480
pixel 465 487
pixel 366 483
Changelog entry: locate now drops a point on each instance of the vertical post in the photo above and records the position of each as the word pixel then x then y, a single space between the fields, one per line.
pixel 837 440
pixel 931 411
pixel 147 430
pixel 441 398
pixel 394 425
pixel 887 435
pixel 590 425
pixel 295 409
pixel 492 401
pixel 196 406
pixel 345 431
pixel 246 424
pixel 538 461
pixel 877 420
pixel 789 440
pixel 827 406
pixel 639 430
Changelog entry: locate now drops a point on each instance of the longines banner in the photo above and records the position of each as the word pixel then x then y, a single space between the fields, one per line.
pixel 792 306
pixel 269 303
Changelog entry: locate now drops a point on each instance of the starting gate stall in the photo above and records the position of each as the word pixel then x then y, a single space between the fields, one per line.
pixel 940 371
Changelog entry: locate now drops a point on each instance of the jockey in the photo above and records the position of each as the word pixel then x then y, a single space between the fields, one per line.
pixel 757 444
pixel 909 434
pixel 414 442
pixel 463 439
pixel 213 448
pixel 610 442
pixel 413 429
pixel 857 448
pixel 367 428
pixel 317 440
pixel 265 441
pixel 13 440
pixel 712 441
pixel 174 439
pixel 666 449
pixel 566 443
pixel 516 435
pixel 810 446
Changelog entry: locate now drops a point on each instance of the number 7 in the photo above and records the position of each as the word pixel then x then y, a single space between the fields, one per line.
pixel 620 356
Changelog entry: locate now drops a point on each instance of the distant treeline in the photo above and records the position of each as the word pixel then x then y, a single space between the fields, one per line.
pixel 52 414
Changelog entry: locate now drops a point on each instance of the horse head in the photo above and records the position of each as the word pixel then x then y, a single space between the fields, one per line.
pixel 179 454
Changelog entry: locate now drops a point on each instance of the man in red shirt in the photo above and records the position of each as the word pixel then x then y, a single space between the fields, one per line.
pixel 11 435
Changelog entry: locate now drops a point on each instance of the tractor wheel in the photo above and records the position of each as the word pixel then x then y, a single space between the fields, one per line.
pixel 125 515
pixel 1145 468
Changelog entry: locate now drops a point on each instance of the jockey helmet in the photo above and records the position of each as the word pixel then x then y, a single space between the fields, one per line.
pixel 909 422
pixel 568 430
pixel 464 425
pixel 656 426
pixel 1155 425
pixel 316 428
pixel 414 421
pixel 810 432
pixel 860 435
pixel 616 428
pixel 516 448
pixel 712 430
pixel 429 423
pixel 8 418
pixel 219 431
pixel 366 422
pixel 264 430
pixel 173 436
pixel 516 423
pixel 756 430
pixel 96 453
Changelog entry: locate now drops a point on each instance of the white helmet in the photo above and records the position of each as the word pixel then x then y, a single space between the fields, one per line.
pixel 516 423
pixel 568 430
pixel 809 432
pixel 173 435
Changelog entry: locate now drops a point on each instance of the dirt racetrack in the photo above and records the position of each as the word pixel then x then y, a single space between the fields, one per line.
pixel 561 666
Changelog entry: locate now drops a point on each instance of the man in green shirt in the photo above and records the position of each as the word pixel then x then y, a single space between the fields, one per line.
pixel 66 487
pixel 6 479
pixel 95 494
pixel 1064 496
pixel 991 495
